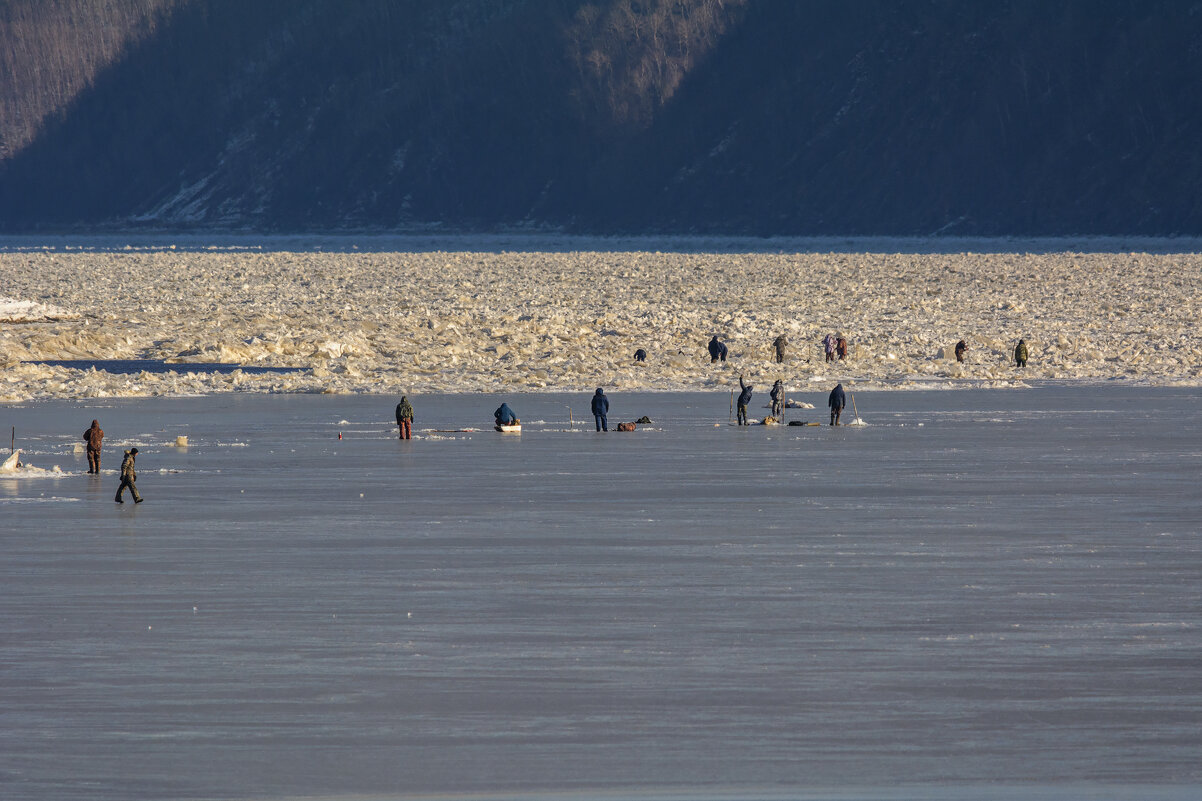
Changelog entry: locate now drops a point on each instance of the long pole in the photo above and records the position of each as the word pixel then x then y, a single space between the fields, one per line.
pixel 853 405
pixel 730 416
pixel 571 422
pixel 12 448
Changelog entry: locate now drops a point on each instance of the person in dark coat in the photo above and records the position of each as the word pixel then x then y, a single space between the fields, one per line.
pixel 841 348
pixel 744 399
pixel 93 436
pixel 780 343
pixel 717 350
pixel 640 355
pixel 836 401
pixel 404 418
pixel 1020 354
pixel 961 349
pixel 129 475
pixel 778 399
pixel 504 415
pixel 600 408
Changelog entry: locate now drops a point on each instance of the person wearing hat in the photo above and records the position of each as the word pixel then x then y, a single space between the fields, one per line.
pixel 128 476
pixel 600 407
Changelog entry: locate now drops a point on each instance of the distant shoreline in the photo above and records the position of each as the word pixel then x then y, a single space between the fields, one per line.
pixel 518 242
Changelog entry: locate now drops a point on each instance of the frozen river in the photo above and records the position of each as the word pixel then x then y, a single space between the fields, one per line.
pixel 981 594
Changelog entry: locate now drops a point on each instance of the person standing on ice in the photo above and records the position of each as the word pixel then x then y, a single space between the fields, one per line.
pixel 600 408
pixel 841 347
pixel 640 355
pixel 128 476
pixel 828 346
pixel 1020 354
pixel 504 415
pixel 744 399
pixel 717 350
pixel 836 401
pixel 93 436
pixel 778 399
pixel 961 349
pixel 780 343
pixel 404 418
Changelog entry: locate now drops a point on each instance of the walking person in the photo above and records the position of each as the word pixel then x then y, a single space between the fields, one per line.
pixel 841 347
pixel 600 408
pixel 1020 354
pixel 717 350
pixel 828 347
pixel 961 349
pixel 744 399
pixel 836 401
pixel 778 399
pixel 780 343
pixel 404 418
pixel 129 475
pixel 93 436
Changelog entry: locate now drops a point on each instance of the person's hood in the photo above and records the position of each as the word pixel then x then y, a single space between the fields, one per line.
pixel 95 424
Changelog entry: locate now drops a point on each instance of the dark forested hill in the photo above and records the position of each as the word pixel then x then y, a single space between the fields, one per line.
pixel 716 116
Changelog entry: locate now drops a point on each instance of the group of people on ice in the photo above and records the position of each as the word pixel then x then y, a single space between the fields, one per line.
pixel 93 442
pixel 834 348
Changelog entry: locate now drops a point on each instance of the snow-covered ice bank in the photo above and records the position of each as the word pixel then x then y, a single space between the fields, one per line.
pixel 28 311
pixel 484 318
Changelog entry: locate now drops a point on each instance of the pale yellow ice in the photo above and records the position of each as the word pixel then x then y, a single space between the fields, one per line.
pixel 466 320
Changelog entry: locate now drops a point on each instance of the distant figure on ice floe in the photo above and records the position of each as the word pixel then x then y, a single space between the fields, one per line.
pixel 744 399
pixel 778 399
pixel 828 347
pixel 780 343
pixel 504 415
pixel 640 355
pixel 961 349
pixel 600 408
pixel 841 347
pixel 836 401
pixel 1020 354
pixel 717 350
pixel 404 418
pixel 93 437
pixel 128 476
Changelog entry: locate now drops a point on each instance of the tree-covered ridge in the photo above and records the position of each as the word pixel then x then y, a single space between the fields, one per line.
pixel 725 116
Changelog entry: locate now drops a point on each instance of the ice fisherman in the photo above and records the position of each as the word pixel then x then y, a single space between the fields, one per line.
pixel 744 399
pixel 961 349
pixel 504 415
pixel 404 418
pixel 640 355
pixel 93 436
pixel 129 475
pixel 837 400
pixel 778 399
pixel 600 408
pixel 717 350
pixel 780 343
pixel 828 347
pixel 1020 354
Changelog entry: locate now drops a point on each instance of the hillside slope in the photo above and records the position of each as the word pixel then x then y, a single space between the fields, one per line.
pixel 864 117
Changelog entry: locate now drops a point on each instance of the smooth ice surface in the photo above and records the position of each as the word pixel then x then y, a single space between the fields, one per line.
pixel 986 594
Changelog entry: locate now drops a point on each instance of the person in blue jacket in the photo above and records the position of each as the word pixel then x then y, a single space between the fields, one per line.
pixel 836 401
pixel 601 409
pixel 717 350
pixel 744 399
pixel 504 415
